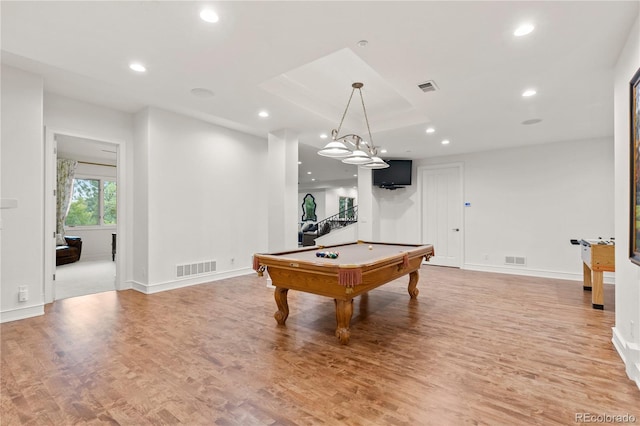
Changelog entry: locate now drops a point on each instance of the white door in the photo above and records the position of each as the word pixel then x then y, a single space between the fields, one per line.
pixel 442 209
pixel 50 168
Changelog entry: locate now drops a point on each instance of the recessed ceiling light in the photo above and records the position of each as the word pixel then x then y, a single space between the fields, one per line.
pixel 532 121
pixel 355 175
pixel 137 67
pixel 263 114
pixel 299 162
pixel 313 179
pixel 383 151
pixel 323 136
pixel 201 92
pixel 523 29
pixel 445 142
pixel 430 130
pixel 209 15
pixel 528 92
pixel 363 43
pixel 308 173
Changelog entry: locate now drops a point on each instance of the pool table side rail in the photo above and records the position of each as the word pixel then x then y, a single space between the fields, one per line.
pixel 321 247
pixel 326 284
pixel 348 275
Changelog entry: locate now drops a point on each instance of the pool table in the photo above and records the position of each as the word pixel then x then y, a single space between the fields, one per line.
pixel 359 267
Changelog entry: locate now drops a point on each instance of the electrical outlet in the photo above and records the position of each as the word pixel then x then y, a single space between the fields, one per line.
pixel 486 257
pixel 23 293
pixel 233 260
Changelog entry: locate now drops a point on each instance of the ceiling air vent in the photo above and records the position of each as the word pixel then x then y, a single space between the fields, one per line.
pixel 428 86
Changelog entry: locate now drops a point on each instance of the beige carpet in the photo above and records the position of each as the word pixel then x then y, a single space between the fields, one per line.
pixel 84 277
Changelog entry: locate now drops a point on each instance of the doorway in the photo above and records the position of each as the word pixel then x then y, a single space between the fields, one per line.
pixel 92 216
pixel 442 212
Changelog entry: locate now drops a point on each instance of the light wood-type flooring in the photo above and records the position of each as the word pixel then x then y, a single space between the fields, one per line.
pixel 474 348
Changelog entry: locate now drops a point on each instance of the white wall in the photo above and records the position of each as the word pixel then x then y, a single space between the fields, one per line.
pixel 200 191
pixel 96 242
pixel 282 188
pixel 527 201
pixel 140 222
pixel 348 234
pixel 626 333
pixel 369 221
pixel 332 197
pixel 22 179
pixel 73 117
pixel 207 198
pixel 398 213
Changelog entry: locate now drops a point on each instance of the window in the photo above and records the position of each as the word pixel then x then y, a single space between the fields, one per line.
pixel 109 197
pixel 345 208
pixel 93 202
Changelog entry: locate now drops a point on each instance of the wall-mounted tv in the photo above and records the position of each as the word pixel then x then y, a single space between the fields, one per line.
pixel 397 175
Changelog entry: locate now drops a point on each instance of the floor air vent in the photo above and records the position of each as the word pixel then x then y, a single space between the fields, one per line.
pixel 190 269
pixel 515 260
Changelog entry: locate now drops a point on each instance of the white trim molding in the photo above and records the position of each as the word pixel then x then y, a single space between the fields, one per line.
pixel 630 354
pixel 187 282
pixel 22 313
pixel 608 278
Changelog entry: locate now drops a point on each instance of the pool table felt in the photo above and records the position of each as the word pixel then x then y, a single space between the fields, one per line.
pixel 353 254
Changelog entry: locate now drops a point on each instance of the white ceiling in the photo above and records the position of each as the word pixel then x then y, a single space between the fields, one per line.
pixel 297 60
pixel 86 150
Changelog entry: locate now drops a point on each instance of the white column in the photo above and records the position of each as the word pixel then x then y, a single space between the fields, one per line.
pixel 283 190
pixel 368 220
pixel 22 174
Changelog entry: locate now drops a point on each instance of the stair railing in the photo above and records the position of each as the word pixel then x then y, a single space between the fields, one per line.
pixel 339 220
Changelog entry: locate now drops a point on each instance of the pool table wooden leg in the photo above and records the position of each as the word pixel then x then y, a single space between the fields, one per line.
pixel 282 313
pixel 413 282
pixel 344 311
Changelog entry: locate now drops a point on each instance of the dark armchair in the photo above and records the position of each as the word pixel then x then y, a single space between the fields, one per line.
pixel 309 237
pixel 69 252
pixel 307 233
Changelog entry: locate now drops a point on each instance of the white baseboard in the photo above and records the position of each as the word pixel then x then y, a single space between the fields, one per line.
pixel 630 354
pixel 201 279
pixel 607 277
pixel 21 313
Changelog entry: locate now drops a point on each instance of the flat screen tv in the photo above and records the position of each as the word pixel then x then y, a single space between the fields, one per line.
pixel 397 175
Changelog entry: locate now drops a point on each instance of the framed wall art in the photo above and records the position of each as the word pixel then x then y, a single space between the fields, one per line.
pixel 634 172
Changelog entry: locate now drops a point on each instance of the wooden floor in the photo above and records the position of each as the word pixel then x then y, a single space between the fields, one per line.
pixel 474 348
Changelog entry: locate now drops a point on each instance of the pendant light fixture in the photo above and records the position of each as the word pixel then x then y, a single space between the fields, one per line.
pixel 351 148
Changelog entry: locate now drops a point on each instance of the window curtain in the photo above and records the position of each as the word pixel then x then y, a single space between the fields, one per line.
pixel 66 172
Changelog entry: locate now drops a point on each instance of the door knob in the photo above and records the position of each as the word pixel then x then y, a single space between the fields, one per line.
pixel 456 229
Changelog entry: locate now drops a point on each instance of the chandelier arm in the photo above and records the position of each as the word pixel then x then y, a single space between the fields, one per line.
pixel 366 119
pixel 344 114
pixel 348 138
